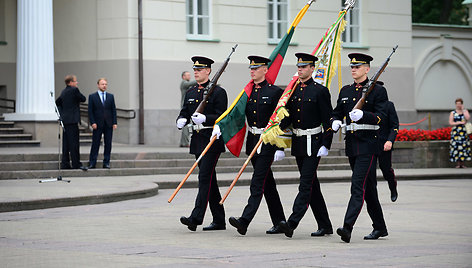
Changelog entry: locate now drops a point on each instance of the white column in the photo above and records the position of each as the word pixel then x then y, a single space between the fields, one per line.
pixel 468 4
pixel 35 62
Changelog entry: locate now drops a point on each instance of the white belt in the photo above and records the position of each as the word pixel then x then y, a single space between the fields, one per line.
pixel 307 132
pixel 255 130
pixel 356 127
pixel 199 127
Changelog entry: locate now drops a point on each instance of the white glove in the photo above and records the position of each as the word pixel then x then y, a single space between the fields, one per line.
pixel 356 115
pixel 279 155
pixel 181 122
pixel 323 151
pixel 216 132
pixel 198 118
pixel 336 125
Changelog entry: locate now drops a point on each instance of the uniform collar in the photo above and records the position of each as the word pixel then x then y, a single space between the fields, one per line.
pixel 307 82
pixel 204 85
pixel 361 84
pixel 261 84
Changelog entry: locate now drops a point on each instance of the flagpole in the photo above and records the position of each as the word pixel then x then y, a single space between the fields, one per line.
pixel 192 168
pixel 241 171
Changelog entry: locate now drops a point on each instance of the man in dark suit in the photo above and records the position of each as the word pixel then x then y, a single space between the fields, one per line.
pixel 102 116
pixel 362 145
pixel 208 191
pixel 388 133
pixel 68 105
pixel 309 110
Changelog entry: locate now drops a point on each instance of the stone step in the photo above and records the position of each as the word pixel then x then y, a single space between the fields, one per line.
pixel 130 156
pixel 20 143
pixel 6 124
pixel 178 171
pixel 15 137
pixel 154 163
pixel 11 130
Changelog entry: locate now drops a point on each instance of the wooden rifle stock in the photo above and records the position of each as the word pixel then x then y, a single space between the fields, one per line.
pixel 211 86
pixel 368 88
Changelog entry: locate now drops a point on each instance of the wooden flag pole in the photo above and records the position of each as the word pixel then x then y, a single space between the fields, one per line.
pixel 241 171
pixel 192 168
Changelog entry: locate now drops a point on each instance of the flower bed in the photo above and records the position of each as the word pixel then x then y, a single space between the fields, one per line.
pixel 424 135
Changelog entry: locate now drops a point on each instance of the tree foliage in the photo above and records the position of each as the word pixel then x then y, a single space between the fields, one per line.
pixel 439 12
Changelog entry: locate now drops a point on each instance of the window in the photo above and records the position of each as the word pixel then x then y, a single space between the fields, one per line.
pixel 277 14
pixel 198 19
pixel 352 33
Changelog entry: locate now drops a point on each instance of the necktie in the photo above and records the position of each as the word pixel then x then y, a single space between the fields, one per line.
pixel 103 97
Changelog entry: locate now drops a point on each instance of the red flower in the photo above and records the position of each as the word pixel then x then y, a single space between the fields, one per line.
pixel 424 135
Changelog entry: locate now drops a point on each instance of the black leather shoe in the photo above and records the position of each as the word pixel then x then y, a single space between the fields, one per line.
pixel 322 232
pixel 66 167
pixel 83 168
pixel 345 234
pixel 285 228
pixel 190 225
pixel 91 167
pixel 214 227
pixel 393 192
pixel 376 234
pixel 236 222
pixel 274 230
pixel 106 166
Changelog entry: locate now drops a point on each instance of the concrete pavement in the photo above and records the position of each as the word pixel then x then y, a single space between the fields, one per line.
pixel 428 227
pixel 26 194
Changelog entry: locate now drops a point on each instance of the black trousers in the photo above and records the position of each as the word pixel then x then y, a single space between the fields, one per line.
pixel 385 165
pixel 364 187
pixel 208 191
pixel 309 194
pixel 263 184
pixel 70 146
pixel 96 138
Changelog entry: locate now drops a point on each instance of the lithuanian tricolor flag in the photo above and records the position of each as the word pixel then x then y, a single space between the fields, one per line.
pixel 232 122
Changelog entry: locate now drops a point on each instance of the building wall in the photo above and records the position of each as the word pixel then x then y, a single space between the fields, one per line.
pixel 96 38
pixel 443 66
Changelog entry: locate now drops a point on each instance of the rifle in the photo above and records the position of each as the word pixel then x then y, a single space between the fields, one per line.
pixel 208 90
pixel 370 85
pixel 206 95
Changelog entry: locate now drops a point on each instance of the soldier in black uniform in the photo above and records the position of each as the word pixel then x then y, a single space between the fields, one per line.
pixel 260 106
pixel 362 145
pixel 208 191
pixel 310 112
pixel 388 133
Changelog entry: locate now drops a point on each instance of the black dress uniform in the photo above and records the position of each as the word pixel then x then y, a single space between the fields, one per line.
pixel 362 148
pixel 388 132
pixel 309 108
pixel 208 191
pixel 260 106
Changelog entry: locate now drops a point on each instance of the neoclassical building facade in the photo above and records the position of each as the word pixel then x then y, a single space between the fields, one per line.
pixel 41 41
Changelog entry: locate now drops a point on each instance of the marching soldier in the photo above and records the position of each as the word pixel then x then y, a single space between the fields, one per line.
pixel 361 145
pixel 388 133
pixel 259 108
pixel 310 111
pixel 208 191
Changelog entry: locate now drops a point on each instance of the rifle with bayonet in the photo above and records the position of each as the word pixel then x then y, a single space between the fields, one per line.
pixel 371 84
pixel 206 95
pixel 208 90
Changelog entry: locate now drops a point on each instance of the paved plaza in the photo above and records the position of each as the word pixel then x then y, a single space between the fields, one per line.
pixel 429 226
